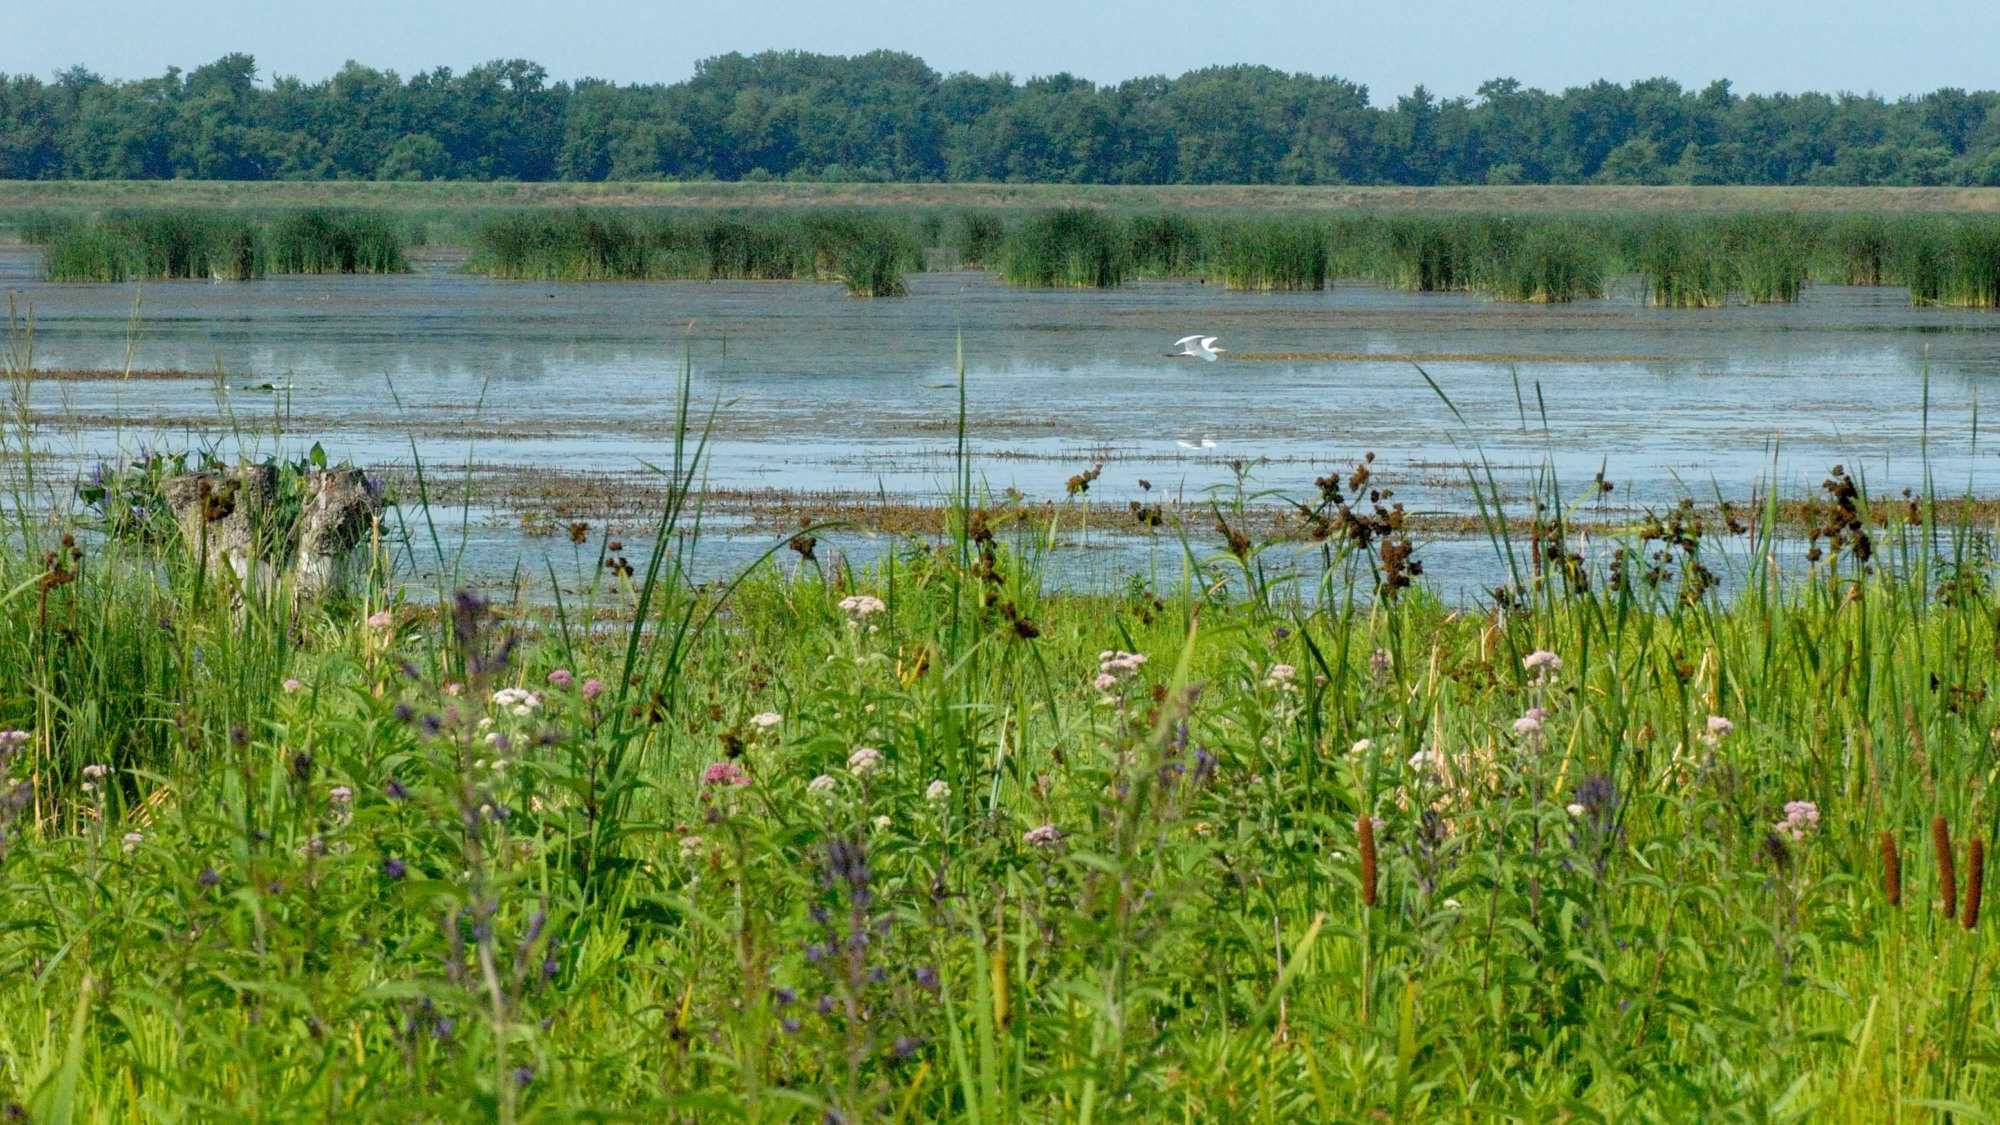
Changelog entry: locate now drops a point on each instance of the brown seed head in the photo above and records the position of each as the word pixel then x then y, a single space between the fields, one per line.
pixel 1975 882
pixel 1365 828
pixel 1947 869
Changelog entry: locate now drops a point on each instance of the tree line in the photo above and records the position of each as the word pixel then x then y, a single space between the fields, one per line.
pixel 889 117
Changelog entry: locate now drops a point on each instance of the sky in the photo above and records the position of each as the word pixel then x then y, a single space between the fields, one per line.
pixel 1888 47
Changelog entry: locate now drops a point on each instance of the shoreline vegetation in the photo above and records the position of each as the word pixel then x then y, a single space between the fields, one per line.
pixel 888 117
pixel 932 840
pixel 1688 259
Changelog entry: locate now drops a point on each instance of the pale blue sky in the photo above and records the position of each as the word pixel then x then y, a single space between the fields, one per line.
pixel 1908 46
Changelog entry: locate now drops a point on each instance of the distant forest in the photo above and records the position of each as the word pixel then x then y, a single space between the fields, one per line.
pixel 889 117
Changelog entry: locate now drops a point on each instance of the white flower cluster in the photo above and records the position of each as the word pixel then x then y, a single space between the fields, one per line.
pixel 1543 664
pixel 864 761
pixel 519 701
pixel 861 607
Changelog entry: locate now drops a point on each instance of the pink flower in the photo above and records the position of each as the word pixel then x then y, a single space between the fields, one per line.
pixel 592 689
pixel 561 679
pixel 291 686
pixel 340 794
pixel 1046 836
pixel 1105 681
pixel 724 773
pixel 382 619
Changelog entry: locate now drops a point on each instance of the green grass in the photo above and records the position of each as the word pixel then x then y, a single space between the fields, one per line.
pixel 1690 257
pixel 869 255
pixel 209 244
pixel 478 862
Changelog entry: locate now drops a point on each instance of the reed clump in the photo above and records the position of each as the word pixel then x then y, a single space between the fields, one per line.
pixel 321 241
pixel 1269 254
pixel 869 254
pixel 1074 247
pixel 217 245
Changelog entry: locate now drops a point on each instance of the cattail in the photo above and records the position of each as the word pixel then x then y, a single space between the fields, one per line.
pixel 1947 872
pixel 1365 827
pixel 1975 881
pixel 1892 871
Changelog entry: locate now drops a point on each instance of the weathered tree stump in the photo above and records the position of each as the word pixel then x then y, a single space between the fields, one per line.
pixel 226 517
pixel 339 514
pixel 230 519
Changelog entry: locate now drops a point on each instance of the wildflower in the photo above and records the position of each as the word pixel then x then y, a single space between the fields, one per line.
pixel 340 794
pixel 394 868
pixel 94 775
pixel 1362 746
pixel 291 686
pixel 1528 724
pixel 1119 663
pixel 520 701
pixel 689 846
pixel 1426 760
pixel 882 822
pixel 724 773
pixel 396 790
pixel 1105 681
pixel 1720 727
pixel 132 840
pixel 765 720
pixel 1280 675
pixel 592 689
pixel 938 792
pixel 860 607
pixel 1575 809
pixel 1801 817
pixel 1543 663
pixel 864 761
pixel 1046 836
pixel 821 786
pixel 560 679
pixel 523 1075
pixel 208 877
pixel 382 619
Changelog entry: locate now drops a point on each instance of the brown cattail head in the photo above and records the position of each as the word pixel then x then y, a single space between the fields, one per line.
pixel 1975 882
pixel 1947 870
pixel 1365 828
pixel 1892 871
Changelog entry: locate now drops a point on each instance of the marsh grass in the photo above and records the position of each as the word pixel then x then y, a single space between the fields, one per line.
pixel 869 255
pixel 215 245
pixel 1074 247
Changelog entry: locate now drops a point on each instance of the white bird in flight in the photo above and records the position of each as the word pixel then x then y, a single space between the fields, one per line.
pixel 1206 443
pixel 1197 346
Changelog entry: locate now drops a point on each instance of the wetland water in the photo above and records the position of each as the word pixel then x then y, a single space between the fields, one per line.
pixel 823 393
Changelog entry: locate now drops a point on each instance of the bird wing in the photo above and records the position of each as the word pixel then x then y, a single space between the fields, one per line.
pixel 1208 342
pixel 1184 341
